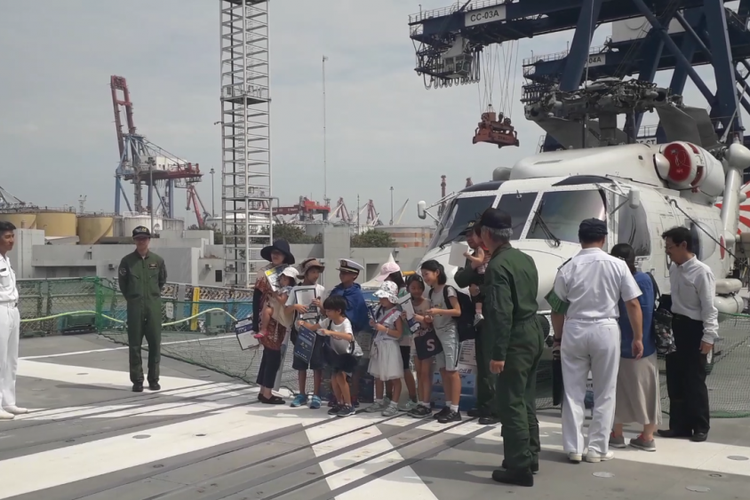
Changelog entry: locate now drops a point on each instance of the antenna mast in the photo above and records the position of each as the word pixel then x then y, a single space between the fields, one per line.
pixel 326 201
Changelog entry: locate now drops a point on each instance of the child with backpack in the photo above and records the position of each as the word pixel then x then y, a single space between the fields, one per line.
pixel 340 352
pixel 443 315
pixel 385 355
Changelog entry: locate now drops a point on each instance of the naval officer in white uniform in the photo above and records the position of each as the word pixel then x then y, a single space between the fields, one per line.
pixel 9 326
pixel 592 284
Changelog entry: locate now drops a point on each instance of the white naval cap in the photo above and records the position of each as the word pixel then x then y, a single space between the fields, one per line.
pixel 349 266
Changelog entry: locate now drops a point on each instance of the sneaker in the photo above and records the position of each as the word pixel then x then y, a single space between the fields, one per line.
pixel 446 410
pixel 451 416
pixel 390 411
pixel 299 400
pixel 420 412
pixel 334 410
pixel 617 441
pixel 315 403
pixel 355 403
pixel 593 457
pixel 640 443
pixel 346 411
pixel 154 386
pixel 408 406
pixel 332 402
pixel 575 458
pixel 376 407
pixel 4 415
pixel 138 387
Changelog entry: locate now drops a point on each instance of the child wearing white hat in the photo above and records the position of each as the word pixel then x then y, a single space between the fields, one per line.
pixel 385 356
pixel 276 306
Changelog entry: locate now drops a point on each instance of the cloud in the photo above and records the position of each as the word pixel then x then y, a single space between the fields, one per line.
pixel 383 128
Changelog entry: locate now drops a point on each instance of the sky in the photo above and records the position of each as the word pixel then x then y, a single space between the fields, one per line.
pixel 57 136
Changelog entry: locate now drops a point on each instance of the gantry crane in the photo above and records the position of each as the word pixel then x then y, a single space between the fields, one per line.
pixel 676 34
pixel 144 163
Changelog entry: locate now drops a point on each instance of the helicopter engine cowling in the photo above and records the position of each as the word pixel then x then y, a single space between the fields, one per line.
pixel 691 169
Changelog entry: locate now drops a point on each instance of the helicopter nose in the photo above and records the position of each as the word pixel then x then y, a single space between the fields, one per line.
pixel 547 265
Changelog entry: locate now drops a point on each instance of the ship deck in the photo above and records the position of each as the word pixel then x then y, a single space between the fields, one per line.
pixel 204 436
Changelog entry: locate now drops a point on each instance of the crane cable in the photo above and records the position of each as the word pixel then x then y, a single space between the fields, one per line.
pixel 499 62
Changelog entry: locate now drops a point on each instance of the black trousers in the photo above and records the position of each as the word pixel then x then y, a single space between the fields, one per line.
pixel 269 367
pixel 686 378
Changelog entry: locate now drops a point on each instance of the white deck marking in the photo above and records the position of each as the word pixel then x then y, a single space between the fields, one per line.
pixel 402 483
pixel 87 460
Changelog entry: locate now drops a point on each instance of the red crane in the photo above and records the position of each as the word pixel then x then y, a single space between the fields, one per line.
pixel 145 164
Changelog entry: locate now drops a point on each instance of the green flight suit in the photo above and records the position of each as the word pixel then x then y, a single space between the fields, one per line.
pixel 511 320
pixel 141 280
pixel 465 277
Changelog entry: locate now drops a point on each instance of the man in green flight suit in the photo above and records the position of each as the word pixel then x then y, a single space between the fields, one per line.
pixel 511 321
pixel 142 275
pixel 469 276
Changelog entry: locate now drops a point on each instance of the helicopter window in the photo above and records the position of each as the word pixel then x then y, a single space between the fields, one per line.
pixel 461 212
pixel 633 229
pixel 518 206
pixel 563 211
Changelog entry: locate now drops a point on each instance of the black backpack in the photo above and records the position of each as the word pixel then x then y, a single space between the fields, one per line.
pixel 661 322
pixel 465 322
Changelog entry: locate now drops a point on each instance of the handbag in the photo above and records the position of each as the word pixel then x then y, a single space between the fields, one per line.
pixel 427 345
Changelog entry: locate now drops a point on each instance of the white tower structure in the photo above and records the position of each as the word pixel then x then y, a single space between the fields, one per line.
pixel 246 142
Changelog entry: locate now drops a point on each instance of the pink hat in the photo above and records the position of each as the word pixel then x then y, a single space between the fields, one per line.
pixel 386 270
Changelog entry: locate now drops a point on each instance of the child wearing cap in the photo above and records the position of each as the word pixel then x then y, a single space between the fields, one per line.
pixel 311 270
pixel 385 355
pixel 275 308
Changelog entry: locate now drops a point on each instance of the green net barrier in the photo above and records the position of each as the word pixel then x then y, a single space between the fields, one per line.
pixel 201 332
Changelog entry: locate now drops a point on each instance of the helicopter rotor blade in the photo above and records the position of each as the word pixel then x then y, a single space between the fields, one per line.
pixel 678 125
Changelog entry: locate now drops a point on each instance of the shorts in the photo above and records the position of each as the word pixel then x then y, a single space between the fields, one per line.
pixel 339 362
pixel 406 356
pixel 448 359
pixel 317 360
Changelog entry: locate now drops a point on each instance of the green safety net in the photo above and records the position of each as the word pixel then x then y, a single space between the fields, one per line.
pixel 201 332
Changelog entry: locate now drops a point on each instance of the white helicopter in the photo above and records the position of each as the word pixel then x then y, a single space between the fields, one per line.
pixel 640 190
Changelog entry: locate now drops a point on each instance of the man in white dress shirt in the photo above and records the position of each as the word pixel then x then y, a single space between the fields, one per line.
pixel 592 284
pixel 9 327
pixel 695 325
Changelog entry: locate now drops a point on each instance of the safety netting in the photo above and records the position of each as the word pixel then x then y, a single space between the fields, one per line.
pixel 198 328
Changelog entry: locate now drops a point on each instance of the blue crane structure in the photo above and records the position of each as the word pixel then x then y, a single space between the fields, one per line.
pixel 679 35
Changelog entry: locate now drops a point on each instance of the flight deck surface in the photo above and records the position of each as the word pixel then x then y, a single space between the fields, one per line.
pixel 205 436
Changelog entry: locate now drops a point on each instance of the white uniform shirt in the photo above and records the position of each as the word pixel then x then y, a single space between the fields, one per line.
pixel 593 283
pixel 8 290
pixel 693 291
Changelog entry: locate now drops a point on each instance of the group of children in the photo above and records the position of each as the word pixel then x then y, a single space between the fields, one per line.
pixel 340 320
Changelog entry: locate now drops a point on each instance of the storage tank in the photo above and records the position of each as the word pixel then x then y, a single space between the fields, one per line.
pixel 57 223
pixel 172 225
pixel 124 225
pixel 92 228
pixel 22 220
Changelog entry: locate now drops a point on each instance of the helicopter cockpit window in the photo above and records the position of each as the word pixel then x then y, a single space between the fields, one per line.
pixel 561 213
pixel 518 206
pixel 460 212
pixel 633 229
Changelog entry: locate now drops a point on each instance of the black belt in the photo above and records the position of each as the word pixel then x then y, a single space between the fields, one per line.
pixel 11 304
pixel 682 317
